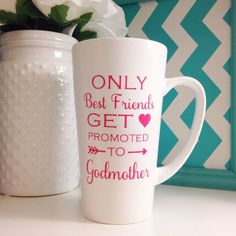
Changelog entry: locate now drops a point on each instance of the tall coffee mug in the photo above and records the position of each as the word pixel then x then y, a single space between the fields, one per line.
pixel 119 87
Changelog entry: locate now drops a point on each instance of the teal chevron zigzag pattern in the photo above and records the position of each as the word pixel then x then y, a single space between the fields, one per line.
pixel 198 36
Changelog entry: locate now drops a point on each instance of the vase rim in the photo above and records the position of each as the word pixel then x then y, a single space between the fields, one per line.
pixel 34 36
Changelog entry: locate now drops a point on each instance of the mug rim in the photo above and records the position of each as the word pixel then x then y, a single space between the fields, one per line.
pixel 120 39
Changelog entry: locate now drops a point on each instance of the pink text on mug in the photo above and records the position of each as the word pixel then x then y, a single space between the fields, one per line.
pixel 112 120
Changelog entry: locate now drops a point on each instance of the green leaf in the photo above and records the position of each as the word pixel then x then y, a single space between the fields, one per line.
pixel 81 36
pixel 9 18
pixel 32 11
pixel 76 32
pixel 58 15
pixel 19 6
pixel 83 20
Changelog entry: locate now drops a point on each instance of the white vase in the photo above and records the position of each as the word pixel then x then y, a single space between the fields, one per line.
pixel 38 135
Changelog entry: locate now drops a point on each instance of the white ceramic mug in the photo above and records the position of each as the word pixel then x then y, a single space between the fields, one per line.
pixel 119 88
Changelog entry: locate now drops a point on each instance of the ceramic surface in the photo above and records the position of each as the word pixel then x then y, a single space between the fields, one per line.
pixel 38 141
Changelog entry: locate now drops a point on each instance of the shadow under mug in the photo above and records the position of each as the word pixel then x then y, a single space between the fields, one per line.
pixel 119 87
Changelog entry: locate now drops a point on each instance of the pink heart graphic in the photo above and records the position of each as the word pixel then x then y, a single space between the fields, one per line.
pixel 144 119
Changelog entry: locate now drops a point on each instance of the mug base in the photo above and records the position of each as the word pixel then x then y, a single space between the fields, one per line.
pixel 116 222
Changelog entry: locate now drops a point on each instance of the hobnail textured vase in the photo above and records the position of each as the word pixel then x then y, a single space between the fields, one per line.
pixel 38 135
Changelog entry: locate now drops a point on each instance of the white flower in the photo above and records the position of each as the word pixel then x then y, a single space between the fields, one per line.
pixel 45 6
pixel 9 5
pixel 108 18
pixel 109 23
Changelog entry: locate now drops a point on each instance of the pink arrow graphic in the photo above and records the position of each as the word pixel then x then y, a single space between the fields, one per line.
pixel 144 151
pixel 94 150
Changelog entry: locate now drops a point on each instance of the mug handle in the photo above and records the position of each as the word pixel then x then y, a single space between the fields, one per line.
pixel 165 172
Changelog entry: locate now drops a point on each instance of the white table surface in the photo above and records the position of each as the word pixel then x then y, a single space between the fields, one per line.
pixel 178 211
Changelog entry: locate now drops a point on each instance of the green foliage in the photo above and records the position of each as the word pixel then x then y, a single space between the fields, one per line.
pixel 9 18
pixel 58 15
pixel 32 11
pixel 28 16
pixel 83 20
pixel 20 5
pixel 85 35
